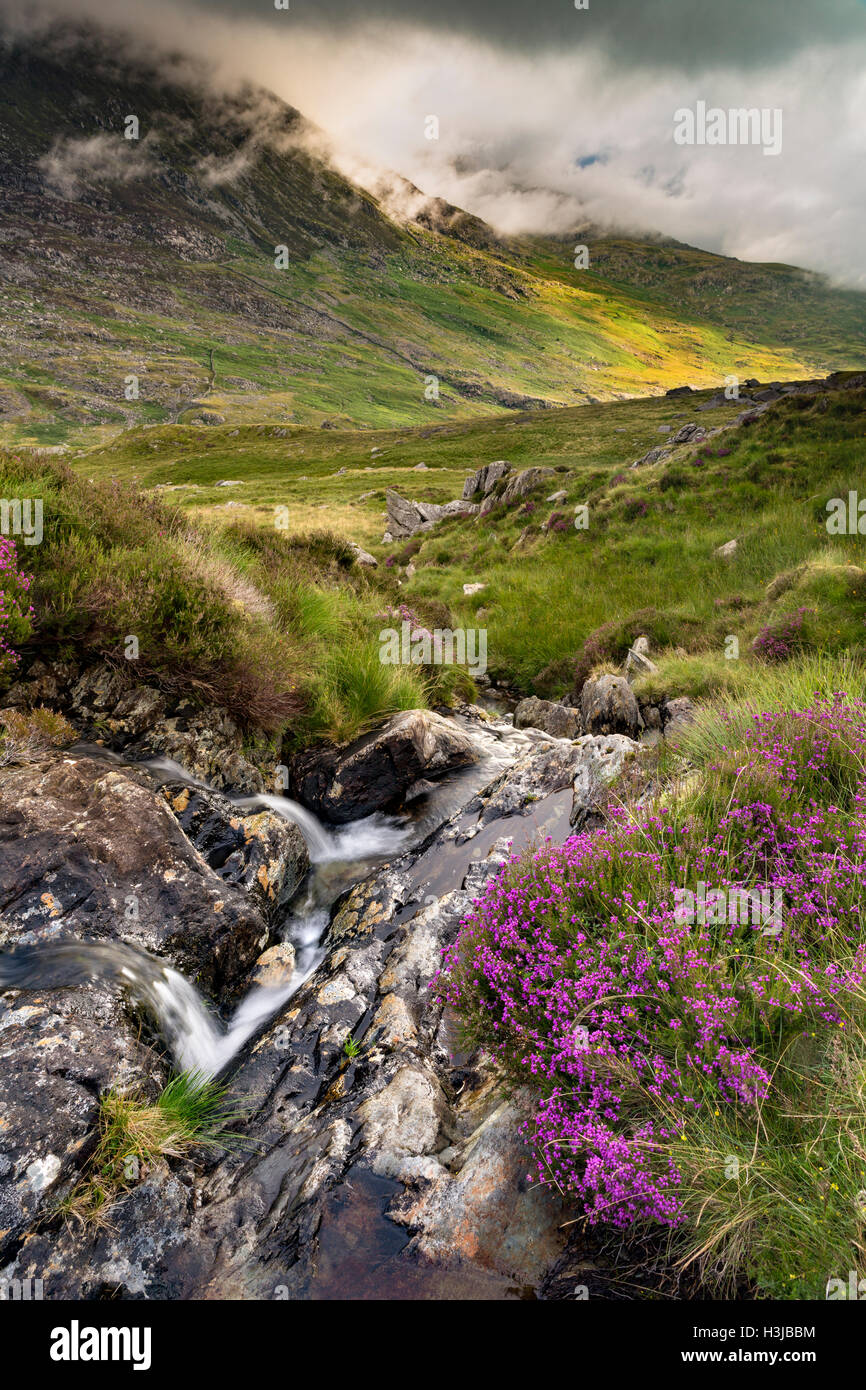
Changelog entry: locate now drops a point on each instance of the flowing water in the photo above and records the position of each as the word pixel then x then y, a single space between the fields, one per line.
pixel 341 856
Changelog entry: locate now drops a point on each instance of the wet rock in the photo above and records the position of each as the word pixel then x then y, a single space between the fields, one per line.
pixel 208 744
pixel 374 772
pixel 275 967
pixel 258 851
pixel 59 1050
pixel 609 707
pixel 557 720
pixel 543 769
pixel 94 851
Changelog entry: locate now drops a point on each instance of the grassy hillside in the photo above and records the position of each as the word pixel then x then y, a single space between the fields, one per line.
pixel 154 259
pixel 648 546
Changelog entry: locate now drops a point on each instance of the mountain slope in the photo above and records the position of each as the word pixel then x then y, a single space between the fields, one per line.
pixel 154 259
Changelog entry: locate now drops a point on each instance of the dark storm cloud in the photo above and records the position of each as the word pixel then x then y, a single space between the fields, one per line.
pixel 643 33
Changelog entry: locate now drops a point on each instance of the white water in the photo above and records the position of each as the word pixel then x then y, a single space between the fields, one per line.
pixel 198 1039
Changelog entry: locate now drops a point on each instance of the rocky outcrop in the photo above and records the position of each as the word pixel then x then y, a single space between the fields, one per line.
pixel 560 721
pixel 484 479
pixel 520 485
pixel 258 851
pixel 375 772
pixel 407 518
pixel 94 851
pixel 608 706
pixel 601 761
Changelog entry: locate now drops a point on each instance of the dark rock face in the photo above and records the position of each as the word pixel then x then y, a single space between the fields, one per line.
pixel 609 707
pixel 559 721
pixel 94 851
pixel 259 852
pixel 677 712
pixel 375 772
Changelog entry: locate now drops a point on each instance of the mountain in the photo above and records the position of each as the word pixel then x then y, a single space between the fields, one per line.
pixel 139 283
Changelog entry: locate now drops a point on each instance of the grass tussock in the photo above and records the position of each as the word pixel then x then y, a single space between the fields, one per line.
pixel 191 1112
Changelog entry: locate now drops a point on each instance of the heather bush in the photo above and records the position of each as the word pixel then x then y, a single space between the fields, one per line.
pixel 658 1047
pixel 15 608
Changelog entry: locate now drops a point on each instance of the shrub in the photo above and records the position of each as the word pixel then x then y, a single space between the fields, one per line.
pixel 652 1043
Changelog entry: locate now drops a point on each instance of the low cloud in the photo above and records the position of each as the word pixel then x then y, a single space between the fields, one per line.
pixel 74 164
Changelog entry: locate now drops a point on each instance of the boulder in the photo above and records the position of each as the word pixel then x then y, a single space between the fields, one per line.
pixel 556 720
pixel 484 479
pixel 608 706
pixel 94 851
pixel 374 772
pixel 258 851
pixel 691 433
pixel 726 551
pixel 363 557
pixel 407 518
pixel 677 712
pixel 601 760
pixel 637 661
pixel 520 484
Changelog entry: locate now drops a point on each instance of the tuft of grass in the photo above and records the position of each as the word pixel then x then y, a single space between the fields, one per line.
pixel 191 1112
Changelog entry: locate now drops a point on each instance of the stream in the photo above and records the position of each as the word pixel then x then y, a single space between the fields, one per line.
pixel 199 1040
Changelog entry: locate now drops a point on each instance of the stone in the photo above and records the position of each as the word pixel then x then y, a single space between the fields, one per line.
pixel 608 706
pixel 557 720
pixel 558 496
pixel 484 479
pixel 373 773
pixel 470 589
pixel 363 557
pixel 520 485
pixel 726 551
pixel 601 760
pixel 677 712
pixel 275 967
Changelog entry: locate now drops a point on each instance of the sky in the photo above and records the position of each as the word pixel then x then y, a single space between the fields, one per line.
pixel 548 116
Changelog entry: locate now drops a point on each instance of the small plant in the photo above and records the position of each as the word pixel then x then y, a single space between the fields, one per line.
pixel 26 732
pixel 191 1112
pixel 351 1047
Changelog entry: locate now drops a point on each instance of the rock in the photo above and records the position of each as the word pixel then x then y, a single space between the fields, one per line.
pixel 229 482
pixel 520 484
pixel 677 712
pixel 207 743
pixel 420 468
pixel 275 968
pixel 601 760
pixel 637 661
pixel 651 716
pixel 726 551
pixel 374 772
pixel 543 769
pixel 406 518
pixel 470 589
pixel 558 496
pixel 363 557
pixel 691 433
pixel 484 479
pixel 608 706
pixel 556 720
pixel 258 851
pixel 94 851
pixel 651 456
pixel 679 391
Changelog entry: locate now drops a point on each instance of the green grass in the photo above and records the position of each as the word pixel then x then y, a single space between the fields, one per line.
pixel 191 1112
